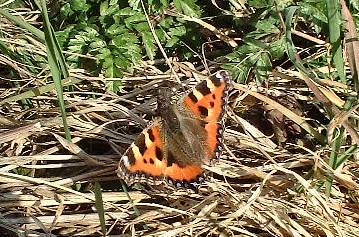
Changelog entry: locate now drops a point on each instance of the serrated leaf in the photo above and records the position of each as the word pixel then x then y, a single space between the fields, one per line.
pixel 315 13
pixel 161 35
pixel 354 4
pixel 148 42
pixel 134 53
pixel 108 66
pixel 281 5
pixel 121 61
pixel 142 27
pixel 103 8
pixel 130 21
pixel 259 3
pixel 66 10
pixel 105 52
pixel 79 5
pixel 136 4
pixel 75 48
pixel 277 48
pixel 268 25
pixel 188 7
pixel 97 44
pixel 238 71
pixel 116 29
pixel 110 10
pixel 174 40
pixel 114 86
pixel 158 5
pixel 127 11
pixel 178 31
pixel 113 3
pixel 91 33
pixel 124 40
pixel 262 66
pixel 166 22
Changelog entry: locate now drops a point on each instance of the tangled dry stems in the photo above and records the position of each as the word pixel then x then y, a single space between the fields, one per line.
pixel 257 189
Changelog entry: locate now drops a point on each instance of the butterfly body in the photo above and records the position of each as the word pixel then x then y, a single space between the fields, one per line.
pixel 185 136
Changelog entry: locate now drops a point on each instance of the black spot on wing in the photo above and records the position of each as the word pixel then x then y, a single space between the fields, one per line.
pixel 193 97
pixel 152 161
pixel 203 88
pixel 203 111
pixel 140 143
pixel 150 135
pixel 211 104
pixel 159 153
pixel 131 157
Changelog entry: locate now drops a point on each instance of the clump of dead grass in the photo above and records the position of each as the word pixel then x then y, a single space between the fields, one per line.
pixel 257 188
pixel 263 185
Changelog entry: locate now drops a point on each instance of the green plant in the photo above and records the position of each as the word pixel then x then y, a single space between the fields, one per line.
pixel 118 34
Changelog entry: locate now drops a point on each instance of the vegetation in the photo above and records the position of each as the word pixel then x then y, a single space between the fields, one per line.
pixel 79 80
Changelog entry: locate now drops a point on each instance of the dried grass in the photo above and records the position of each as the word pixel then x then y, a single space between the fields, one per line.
pixel 258 188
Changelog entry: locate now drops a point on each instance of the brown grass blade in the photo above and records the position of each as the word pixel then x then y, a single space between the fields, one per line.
pixel 352 43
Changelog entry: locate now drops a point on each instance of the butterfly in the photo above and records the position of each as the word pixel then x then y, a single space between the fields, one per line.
pixel 186 135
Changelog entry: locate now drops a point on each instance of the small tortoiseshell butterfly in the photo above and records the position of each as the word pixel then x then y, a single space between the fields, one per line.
pixel 187 134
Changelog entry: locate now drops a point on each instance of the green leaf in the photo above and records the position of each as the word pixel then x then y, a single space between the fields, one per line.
pixel 314 12
pixel 103 8
pixel 138 17
pixel 124 40
pixel 172 41
pixel 334 18
pixel 66 10
pixel 113 86
pixel 268 25
pixel 259 3
pixel 23 24
pixel 277 48
pixel 57 65
pixel 97 44
pixel 120 61
pixel 166 22
pixel 158 5
pixel 354 4
pixel 127 11
pixel 79 5
pixel 262 67
pixel 136 4
pixel 116 29
pixel 134 53
pixel 148 42
pixel 161 35
pixel 142 27
pixel 178 31
pixel 188 7
pixel 108 9
pixel 99 207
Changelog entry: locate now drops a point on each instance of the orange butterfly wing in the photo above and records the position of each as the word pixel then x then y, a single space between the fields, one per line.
pixel 148 159
pixel 208 101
